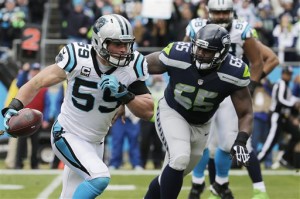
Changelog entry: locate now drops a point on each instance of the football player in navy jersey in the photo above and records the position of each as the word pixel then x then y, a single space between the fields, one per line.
pixel 244 45
pixel 202 74
pixel 101 77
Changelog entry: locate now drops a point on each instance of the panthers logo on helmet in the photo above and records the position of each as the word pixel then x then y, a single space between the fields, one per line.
pixel 101 22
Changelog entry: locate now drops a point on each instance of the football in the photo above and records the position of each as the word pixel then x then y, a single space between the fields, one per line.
pixel 26 123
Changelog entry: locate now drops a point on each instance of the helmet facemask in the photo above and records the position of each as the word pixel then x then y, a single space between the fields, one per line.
pixel 114 59
pixel 222 21
pixel 208 58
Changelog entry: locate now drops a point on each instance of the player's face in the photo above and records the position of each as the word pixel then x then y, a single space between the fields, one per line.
pixel 219 17
pixel 118 49
pixel 205 55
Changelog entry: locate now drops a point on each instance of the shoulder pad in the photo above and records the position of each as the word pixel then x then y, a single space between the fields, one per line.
pixel 176 54
pixel 233 70
pixel 242 27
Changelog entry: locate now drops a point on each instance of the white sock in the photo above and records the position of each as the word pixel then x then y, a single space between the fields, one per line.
pixel 198 180
pixel 221 180
pixel 260 186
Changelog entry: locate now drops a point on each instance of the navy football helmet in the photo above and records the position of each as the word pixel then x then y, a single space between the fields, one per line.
pixel 210 46
pixel 113 28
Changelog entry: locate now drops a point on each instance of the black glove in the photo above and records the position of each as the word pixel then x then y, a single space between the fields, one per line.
pixel 12 109
pixel 239 150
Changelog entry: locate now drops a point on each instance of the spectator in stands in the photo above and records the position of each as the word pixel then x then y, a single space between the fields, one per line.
pixel 42 103
pixel 12 20
pixel 289 7
pixel 160 33
pixel 247 11
pixel 119 132
pixel 37 10
pixel 285 39
pixel 266 23
pixel 141 32
pixel 23 5
pixel 77 23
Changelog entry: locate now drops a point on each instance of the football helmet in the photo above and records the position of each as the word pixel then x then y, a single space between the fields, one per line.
pixel 113 28
pixel 215 6
pixel 210 46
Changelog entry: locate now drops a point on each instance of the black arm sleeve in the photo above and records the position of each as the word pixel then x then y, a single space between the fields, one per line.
pixel 138 88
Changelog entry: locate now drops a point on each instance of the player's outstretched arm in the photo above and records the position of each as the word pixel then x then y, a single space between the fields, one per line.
pixel 142 106
pixel 49 76
pixel 154 64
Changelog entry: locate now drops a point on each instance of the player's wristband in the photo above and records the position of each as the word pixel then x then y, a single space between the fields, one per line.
pixel 242 137
pixel 14 104
pixel 127 98
pixel 263 75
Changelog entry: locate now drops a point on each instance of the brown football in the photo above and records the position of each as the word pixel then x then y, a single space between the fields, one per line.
pixel 26 123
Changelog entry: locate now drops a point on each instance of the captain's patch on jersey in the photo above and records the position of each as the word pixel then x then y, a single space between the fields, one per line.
pixel 85 71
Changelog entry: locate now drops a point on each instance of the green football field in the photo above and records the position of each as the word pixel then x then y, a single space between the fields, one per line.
pixel 128 184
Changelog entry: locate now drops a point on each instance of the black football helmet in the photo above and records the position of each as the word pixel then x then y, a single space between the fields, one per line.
pixel 212 40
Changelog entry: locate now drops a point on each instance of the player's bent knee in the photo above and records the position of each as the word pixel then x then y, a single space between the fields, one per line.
pixel 99 184
pixel 180 163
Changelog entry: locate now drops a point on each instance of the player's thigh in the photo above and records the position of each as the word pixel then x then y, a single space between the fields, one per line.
pixel 199 137
pixel 174 133
pixel 83 157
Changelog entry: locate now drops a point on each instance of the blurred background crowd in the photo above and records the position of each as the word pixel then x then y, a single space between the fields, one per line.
pixel 33 30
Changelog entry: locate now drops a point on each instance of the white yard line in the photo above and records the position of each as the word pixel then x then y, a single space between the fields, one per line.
pixel 50 189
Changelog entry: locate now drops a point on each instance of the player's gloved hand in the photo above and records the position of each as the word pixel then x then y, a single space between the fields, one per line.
pixel 118 90
pixel 239 150
pixel 12 109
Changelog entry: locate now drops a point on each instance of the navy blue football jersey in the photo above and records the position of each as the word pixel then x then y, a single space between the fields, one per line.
pixel 196 96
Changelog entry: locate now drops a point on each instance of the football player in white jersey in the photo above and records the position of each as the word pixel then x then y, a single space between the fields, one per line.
pixel 242 43
pixel 202 74
pixel 101 77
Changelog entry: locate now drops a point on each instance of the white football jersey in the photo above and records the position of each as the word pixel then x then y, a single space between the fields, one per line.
pixel 239 32
pixel 87 111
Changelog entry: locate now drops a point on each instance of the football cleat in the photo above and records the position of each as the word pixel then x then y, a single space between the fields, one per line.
pixel 196 190
pixel 257 194
pixel 222 190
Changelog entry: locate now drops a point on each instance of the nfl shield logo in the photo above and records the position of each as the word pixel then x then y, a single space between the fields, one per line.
pixel 200 81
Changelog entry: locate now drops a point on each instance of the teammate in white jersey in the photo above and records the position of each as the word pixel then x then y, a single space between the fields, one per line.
pixel 242 42
pixel 101 77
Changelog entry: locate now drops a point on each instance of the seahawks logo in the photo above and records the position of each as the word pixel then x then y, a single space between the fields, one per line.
pixel 226 40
